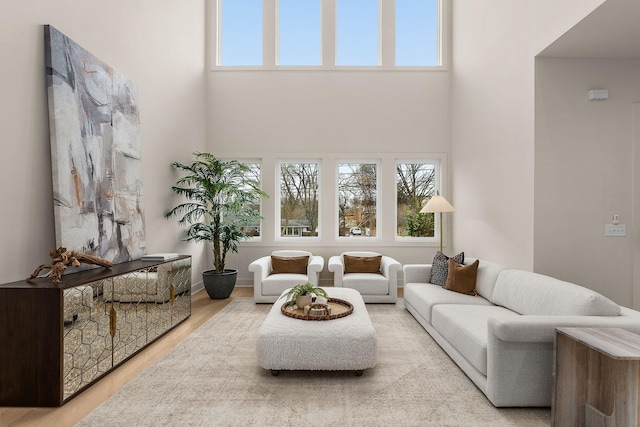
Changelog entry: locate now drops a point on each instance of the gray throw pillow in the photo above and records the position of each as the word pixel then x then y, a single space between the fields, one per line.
pixel 440 267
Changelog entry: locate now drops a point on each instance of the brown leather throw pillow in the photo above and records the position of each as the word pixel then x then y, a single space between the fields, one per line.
pixel 362 264
pixel 291 265
pixel 462 278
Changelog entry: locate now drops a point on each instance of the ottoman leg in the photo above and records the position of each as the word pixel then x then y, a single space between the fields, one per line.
pixel 275 372
pixel 359 373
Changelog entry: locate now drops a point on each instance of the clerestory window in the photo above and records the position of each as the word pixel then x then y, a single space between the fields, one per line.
pixel 299 33
pixel 329 34
pixel 240 32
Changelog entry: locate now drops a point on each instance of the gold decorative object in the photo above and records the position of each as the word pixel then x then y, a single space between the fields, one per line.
pixel 113 322
pixel 61 258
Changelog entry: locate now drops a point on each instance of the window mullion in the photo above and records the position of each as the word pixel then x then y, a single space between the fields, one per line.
pixel 444 25
pixel 387 43
pixel 269 28
pixel 328 33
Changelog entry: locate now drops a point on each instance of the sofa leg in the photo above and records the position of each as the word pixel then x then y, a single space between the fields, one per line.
pixel 359 373
pixel 275 372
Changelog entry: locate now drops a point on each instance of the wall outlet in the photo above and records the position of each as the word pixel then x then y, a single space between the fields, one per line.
pixel 615 230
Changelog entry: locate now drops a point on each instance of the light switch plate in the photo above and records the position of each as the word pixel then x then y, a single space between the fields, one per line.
pixel 615 230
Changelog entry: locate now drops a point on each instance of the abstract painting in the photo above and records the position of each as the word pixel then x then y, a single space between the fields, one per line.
pixel 94 127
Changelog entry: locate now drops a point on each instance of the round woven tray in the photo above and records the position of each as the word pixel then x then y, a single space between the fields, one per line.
pixel 339 308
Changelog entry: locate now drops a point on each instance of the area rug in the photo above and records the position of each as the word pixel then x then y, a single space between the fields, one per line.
pixel 213 378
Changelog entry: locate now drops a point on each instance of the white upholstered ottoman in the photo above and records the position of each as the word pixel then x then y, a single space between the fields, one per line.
pixel 347 343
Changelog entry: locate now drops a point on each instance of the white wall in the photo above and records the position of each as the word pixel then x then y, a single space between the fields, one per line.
pixel 481 113
pixel 260 114
pixel 492 137
pixel 584 172
pixel 159 46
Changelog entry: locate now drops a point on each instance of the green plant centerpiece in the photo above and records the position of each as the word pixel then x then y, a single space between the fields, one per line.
pixel 222 199
pixel 305 289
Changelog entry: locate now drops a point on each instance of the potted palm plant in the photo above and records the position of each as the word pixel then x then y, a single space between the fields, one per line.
pixel 221 198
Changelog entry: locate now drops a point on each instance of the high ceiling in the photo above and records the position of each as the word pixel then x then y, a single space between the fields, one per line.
pixel 610 31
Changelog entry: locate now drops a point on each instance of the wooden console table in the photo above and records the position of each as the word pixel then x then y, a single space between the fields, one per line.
pixel 596 378
pixel 56 340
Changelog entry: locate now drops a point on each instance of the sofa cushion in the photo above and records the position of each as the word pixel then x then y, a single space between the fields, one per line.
pixel 465 327
pixel 532 293
pixel 462 278
pixel 440 267
pixel 367 283
pixel 289 265
pixel 486 278
pixel 424 296
pixel 275 284
pixel 362 264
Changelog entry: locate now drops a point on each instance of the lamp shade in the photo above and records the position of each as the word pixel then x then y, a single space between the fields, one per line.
pixel 437 203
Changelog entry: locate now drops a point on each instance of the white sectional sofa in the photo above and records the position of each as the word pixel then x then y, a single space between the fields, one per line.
pixel 503 337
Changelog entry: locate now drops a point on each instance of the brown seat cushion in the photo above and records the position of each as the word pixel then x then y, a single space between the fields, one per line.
pixel 291 265
pixel 462 278
pixel 362 264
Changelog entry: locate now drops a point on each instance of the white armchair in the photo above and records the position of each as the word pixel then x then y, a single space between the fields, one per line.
pixel 375 287
pixel 267 287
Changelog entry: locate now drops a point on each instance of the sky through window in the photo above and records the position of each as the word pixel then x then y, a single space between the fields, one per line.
pixel 299 33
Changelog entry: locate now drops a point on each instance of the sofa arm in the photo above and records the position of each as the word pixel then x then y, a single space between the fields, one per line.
pixel 260 269
pixel 417 273
pixel 316 264
pixel 529 329
pixel 389 267
pixel 335 266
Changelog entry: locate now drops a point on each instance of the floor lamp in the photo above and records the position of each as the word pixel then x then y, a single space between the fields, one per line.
pixel 438 204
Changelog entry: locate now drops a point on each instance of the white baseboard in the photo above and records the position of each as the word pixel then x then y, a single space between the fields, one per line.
pixel 197 287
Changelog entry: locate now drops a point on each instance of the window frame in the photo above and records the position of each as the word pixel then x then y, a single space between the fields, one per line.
pixel 277 40
pixel 258 161
pixel 278 197
pixel 327 208
pixel 379 39
pixel 437 187
pixel 379 224
pixel 438 31
pixel 217 59
pixel 328 40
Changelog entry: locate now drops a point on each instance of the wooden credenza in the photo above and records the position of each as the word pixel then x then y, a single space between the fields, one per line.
pixel 56 340
pixel 597 378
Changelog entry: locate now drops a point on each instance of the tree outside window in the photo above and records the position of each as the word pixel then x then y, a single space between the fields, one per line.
pixel 299 199
pixel 255 174
pixel 357 199
pixel 416 183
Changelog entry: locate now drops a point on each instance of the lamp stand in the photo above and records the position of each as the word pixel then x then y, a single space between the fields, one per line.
pixel 441 232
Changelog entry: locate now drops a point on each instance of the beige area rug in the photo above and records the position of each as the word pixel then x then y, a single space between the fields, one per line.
pixel 213 378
